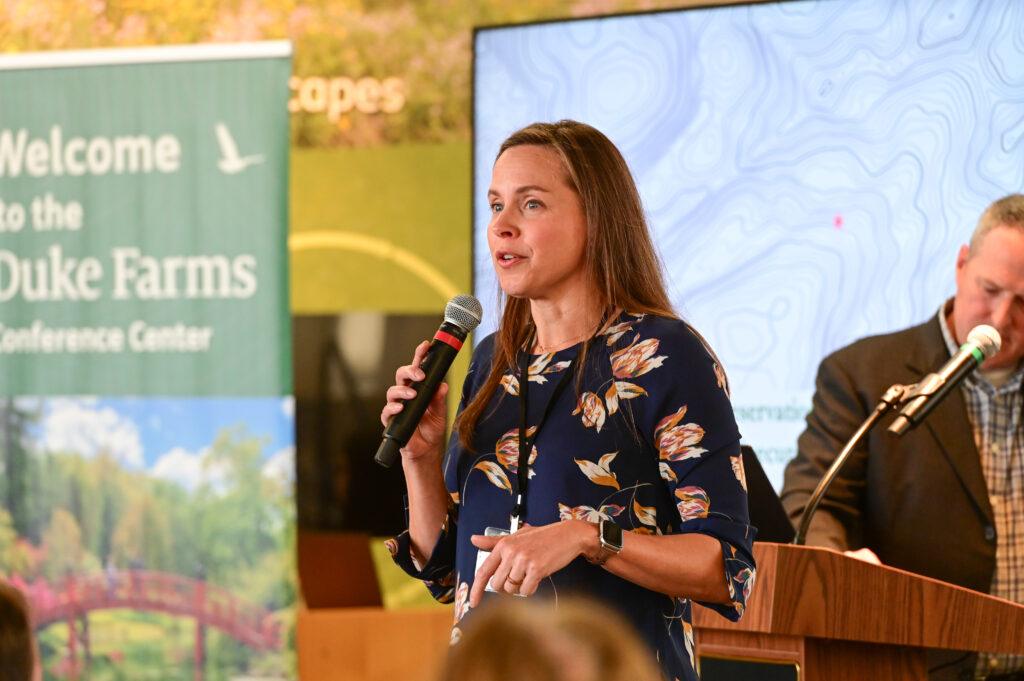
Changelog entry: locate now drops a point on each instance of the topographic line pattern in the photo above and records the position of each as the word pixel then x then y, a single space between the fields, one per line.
pixel 809 169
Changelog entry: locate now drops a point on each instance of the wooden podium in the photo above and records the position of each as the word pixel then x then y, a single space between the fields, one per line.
pixel 828 616
pixel 814 614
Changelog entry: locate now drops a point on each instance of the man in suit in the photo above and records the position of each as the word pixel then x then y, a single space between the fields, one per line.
pixel 946 500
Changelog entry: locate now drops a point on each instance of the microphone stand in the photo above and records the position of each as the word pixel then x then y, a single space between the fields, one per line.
pixel 893 398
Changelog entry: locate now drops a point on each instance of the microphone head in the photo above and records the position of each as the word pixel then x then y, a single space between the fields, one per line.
pixel 986 339
pixel 465 312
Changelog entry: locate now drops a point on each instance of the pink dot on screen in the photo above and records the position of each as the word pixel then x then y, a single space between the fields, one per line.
pixel 837 221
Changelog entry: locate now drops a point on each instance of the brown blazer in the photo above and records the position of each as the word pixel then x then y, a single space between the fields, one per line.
pixel 918 501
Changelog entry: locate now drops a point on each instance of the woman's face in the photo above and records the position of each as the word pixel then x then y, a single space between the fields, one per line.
pixel 538 232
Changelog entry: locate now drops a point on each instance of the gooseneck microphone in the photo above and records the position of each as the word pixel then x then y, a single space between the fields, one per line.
pixel 982 342
pixel 914 401
pixel 462 314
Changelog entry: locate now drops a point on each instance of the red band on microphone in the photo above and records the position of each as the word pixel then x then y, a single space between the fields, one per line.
pixel 449 339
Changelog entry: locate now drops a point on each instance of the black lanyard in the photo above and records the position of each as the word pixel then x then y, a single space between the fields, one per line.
pixel 525 442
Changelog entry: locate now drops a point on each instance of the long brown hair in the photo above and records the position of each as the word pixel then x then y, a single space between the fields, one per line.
pixel 619 258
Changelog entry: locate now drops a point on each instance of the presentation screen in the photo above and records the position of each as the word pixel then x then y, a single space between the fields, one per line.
pixel 809 169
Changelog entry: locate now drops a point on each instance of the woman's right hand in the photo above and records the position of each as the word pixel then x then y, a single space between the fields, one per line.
pixel 427 438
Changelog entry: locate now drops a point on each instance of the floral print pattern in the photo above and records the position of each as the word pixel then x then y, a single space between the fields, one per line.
pixel 693 503
pixel 495 474
pixel 678 442
pixel 648 515
pixel 600 473
pixel 644 437
pixel 592 408
pixel 636 359
pixel 738 471
pixel 588 513
pixel 461 602
pixel 538 371
pixel 507 450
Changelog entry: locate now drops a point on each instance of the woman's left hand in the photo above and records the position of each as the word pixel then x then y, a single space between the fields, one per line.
pixel 519 561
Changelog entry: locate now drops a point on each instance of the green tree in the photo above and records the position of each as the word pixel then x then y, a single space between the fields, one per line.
pixel 13 559
pixel 235 526
pixel 14 423
pixel 107 488
pixel 62 542
pixel 143 534
pixel 178 507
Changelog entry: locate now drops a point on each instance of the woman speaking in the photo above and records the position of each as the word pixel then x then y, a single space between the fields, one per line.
pixel 595 451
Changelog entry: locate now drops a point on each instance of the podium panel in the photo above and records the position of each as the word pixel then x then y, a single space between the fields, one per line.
pixel 838 618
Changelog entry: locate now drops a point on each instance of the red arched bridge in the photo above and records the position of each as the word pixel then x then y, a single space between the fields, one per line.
pixel 209 605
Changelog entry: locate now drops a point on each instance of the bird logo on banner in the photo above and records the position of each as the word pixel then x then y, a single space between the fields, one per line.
pixel 231 162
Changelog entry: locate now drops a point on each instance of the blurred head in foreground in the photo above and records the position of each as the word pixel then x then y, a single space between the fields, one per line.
pixel 533 640
pixel 17 649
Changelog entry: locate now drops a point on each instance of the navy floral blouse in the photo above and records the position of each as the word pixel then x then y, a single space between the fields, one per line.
pixel 648 440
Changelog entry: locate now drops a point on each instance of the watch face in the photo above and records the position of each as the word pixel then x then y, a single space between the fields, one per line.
pixel 611 535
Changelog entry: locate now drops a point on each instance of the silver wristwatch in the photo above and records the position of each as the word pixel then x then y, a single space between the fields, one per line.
pixel 609 535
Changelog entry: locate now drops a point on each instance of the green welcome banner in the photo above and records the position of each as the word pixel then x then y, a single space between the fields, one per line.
pixel 146 423
pixel 142 225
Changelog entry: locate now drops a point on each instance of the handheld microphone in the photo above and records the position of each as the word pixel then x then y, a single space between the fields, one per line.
pixel 982 342
pixel 462 314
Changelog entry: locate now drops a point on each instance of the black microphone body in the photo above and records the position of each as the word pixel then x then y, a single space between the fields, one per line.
pixel 982 342
pixel 440 355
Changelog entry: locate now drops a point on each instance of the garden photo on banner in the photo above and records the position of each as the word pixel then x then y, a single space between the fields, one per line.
pixel 146 417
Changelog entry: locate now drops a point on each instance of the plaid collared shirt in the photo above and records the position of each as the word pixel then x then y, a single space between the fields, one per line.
pixel 997 419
